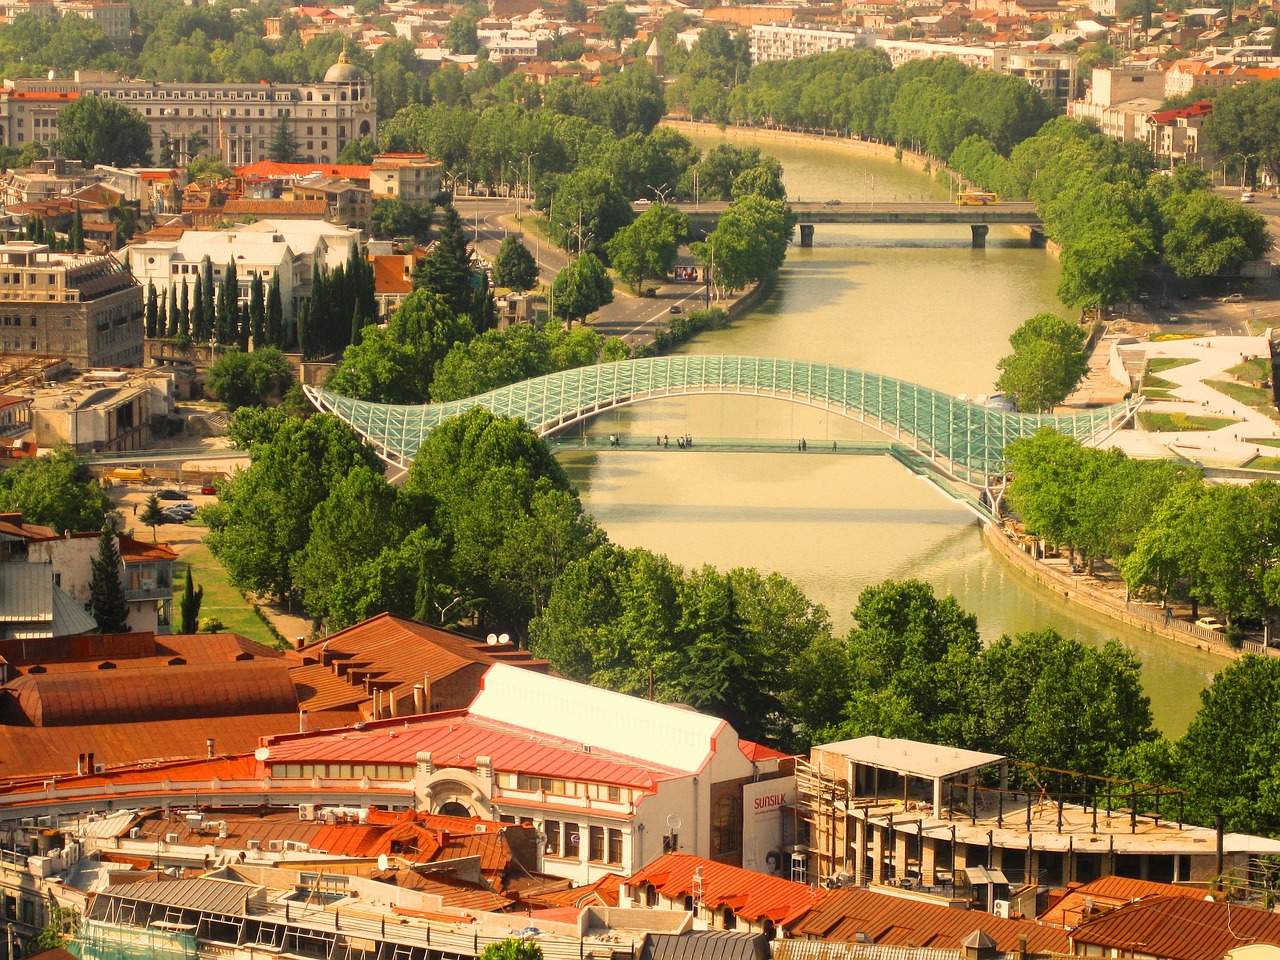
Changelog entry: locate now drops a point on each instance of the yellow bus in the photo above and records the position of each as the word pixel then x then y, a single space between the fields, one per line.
pixel 976 198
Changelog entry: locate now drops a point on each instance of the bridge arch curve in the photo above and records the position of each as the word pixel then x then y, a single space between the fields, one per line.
pixel 963 439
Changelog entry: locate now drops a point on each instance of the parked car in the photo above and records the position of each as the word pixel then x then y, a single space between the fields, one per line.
pixel 171 495
pixel 1234 298
pixel 206 486
pixel 1212 623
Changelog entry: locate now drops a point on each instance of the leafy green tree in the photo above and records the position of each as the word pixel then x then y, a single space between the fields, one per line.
pixel 56 491
pixel 1241 126
pixel 283 147
pixel 392 217
pixel 152 515
pixel 240 379
pixel 106 587
pixel 512 949
pixel 1047 363
pixel 504 511
pixel 208 168
pixel 514 266
pixel 1227 755
pixel 617 23
pixel 98 130
pixel 587 210
pixel 460 35
pixel 1207 234
pixel 1166 554
pixel 189 603
pixel 647 248
pixel 500 357
pixel 360 151
pixel 63 922
pixel 1047 469
pixel 395 364
pixel 263 518
pixel 749 242
pixel 581 288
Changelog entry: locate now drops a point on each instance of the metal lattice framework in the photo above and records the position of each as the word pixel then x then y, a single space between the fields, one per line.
pixel 964 439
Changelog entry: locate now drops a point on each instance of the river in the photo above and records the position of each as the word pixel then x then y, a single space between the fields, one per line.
pixel 917 303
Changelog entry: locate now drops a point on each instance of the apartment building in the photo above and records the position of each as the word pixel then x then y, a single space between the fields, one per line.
pixel 790 41
pixel 87 309
pixel 233 121
pixel 411 177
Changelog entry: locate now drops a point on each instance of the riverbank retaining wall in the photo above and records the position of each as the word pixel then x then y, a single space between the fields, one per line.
pixel 1074 589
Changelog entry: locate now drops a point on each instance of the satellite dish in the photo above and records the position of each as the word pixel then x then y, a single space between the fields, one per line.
pixel 504 638
pixel 491 639
pixel 261 754
pixel 53 74
pixel 383 862
pixel 673 821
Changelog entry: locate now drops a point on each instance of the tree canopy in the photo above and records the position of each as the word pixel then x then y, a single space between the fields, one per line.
pixel 1047 363
pixel 55 491
pixel 97 130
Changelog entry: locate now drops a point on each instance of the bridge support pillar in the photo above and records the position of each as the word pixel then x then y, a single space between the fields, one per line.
pixel 980 231
pixel 806 234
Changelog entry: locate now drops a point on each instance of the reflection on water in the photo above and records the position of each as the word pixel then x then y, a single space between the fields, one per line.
pixel 917 303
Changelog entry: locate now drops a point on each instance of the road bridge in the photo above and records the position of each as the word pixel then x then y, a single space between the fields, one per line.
pixel 979 217
pixel 947 437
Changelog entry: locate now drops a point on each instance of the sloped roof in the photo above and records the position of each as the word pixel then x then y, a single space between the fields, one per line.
pixel 704 945
pixel 842 914
pixel 1107 893
pixel 750 895
pixel 1181 928
pixel 277 208
pixel 389 275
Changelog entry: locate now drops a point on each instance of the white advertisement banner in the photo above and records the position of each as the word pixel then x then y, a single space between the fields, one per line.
pixel 764 805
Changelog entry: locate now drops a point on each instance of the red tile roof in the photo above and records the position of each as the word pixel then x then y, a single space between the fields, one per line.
pixel 750 895
pixel 389 275
pixel 277 208
pixel 136 551
pixel 456 739
pixel 757 752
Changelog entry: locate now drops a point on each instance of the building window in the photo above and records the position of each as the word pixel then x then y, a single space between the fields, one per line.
pixel 725 819
pixel 551 830
pixel 595 850
pixel 572 841
pixel 615 846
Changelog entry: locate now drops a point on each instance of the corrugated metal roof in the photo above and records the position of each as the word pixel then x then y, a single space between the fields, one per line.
pixel 750 895
pixel 456 739
pixel 843 914
pixel 26 593
pixel 1107 893
pixel 1180 928
pixel 827 950
pixel 202 893
pixel 705 945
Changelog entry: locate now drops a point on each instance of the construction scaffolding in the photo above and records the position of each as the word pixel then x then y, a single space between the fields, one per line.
pixel 97 940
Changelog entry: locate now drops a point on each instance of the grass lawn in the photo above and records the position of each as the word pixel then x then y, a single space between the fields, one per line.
pixel 1155 393
pixel 1252 371
pixel 1263 463
pixel 222 599
pixel 1159 383
pixel 1163 337
pixel 1160 364
pixel 1170 422
pixel 1265 441
pixel 1255 397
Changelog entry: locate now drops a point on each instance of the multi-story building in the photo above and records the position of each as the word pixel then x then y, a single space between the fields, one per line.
pixel 1054 75
pixel 978 56
pixel 790 41
pixel 111 15
pixel 410 177
pixel 233 121
pixel 87 309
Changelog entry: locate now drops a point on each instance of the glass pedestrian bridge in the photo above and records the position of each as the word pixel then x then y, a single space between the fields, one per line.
pixel 961 439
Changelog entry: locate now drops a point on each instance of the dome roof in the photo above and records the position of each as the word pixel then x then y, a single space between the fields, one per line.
pixel 344 71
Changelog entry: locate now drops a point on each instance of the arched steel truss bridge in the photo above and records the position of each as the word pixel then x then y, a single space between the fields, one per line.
pixel 962 440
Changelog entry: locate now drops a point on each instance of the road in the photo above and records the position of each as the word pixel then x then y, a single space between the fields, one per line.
pixel 633 319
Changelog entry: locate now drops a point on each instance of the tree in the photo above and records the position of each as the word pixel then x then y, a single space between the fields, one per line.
pixel 588 209
pixel 460 35
pixel 184 314
pixel 616 23
pixel 1206 234
pixel 189 604
pixel 512 949
pixel 446 270
pixel 1241 126
pixel 263 518
pixel 647 248
pixel 749 242
pixel 1227 755
pixel 283 147
pixel 106 588
pixel 392 217
pixel 582 287
pixel 207 168
pixel 75 238
pixel 240 379
pixel 514 266
pixel 1047 363
pixel 257 313
pixel 152 310
pixel 360 151
pixel 56 491
pixel 97 130
pixel 274 331
pixel 152 515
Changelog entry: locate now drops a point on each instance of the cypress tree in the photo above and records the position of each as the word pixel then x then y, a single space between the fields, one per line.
pixel 162 319
pixel 242 328
pixel 357 324
pixel 206 303
pixel 75 239
pixel 447 269
pixel 198 322
pixel 184 314
pixel 315 310
pixel 275 315
pixel 338 311
pixel 304 329
pixel 152 311
pixel 228 306
pixel 189 605
pixel 106 592
pixel 257 312
pixel 174 313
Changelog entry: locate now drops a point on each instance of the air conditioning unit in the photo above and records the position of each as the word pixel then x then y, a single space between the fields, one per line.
pixel 481 828
pixel 170 838
pixel 1001 908
pixel 306 811
pixel 275 846
pixel 254 845
pixel 99 768
pixel 295 845
pixel 134 833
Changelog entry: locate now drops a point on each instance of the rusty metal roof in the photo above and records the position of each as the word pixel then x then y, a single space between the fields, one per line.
pixel 1107 893
pixel 1180 928
pixel 843 914
pixel 750 895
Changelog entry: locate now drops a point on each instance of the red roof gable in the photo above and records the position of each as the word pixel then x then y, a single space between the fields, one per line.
pixel 1181 928
pixel 750 895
